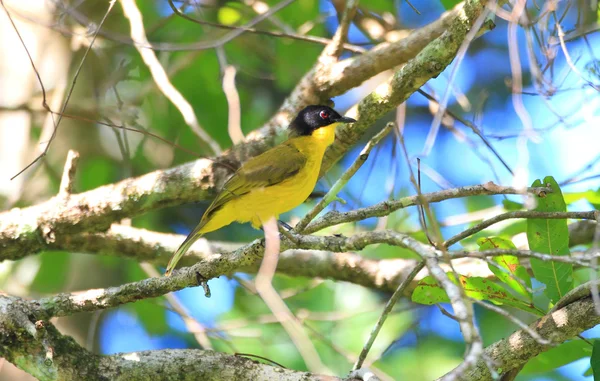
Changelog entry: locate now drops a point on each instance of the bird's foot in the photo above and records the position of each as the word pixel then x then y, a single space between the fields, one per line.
pixel 202 281
pixel 285 225
pixel 288 234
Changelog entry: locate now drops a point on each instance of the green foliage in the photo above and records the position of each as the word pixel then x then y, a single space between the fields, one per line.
pixel 151 312
pixel 94 172
pixel 152 315
pixel 443 355
pixel 53 272
pixel 595 360
pixel 428 291
pixel 449 4
pixel 550 236
pixel 229 16
pixel 558 356
pixel 591 196
pixel 510 269
pixel 511 205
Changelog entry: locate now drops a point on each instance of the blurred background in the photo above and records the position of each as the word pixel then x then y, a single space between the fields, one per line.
pixel 561 115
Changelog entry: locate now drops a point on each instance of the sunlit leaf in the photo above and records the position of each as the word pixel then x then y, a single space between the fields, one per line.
pixel 588 372
pixel 510 263
pixel 428 291
pixel 228 16
pixel 591 196
pixel 485 289
pixel 550 236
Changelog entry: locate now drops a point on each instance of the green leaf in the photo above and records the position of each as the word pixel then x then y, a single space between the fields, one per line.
pixel 229 16
pixel 550 236
pixel 595 360
pixel 485 289
pixel 556 357
pixel 428 291
pixel 449 4
pixel 510 263
pixel 511 205
pixel 591 196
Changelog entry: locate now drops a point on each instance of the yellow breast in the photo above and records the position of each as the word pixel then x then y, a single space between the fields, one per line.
pixel 263 203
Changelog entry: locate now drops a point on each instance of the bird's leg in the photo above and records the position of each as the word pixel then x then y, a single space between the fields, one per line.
pixel 202 281
pixel 285 225
pixel 287 233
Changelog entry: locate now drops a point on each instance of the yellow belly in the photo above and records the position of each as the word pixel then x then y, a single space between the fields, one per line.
pixel 261 204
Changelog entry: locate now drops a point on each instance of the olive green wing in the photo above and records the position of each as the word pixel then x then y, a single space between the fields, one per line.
pixel 269 168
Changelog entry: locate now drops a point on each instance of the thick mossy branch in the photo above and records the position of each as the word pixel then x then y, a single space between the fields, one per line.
pixel 48 355
pixel 517 349
pixel 335 263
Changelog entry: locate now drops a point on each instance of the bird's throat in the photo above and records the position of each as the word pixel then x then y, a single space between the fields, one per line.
pixel 325 135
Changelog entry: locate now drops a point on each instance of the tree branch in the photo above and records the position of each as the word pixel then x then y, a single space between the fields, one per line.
pixel 384 208
pixel 383 275
pixel 42 351
pixel 55 224
pixel 517 349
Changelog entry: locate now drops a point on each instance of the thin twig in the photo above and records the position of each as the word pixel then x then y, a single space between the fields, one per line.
pixel 343 180
pixel 534 335
pixel 160 77
pixel 385 208
pixel 235 33
pixel 141 131
pixel 337 42
pixel 68 176
pixel 75 76
pixel 517 214
pixel 476 130
pixel 312 39
pixel 561 38
pixel 437 120
pixel 193 326
pixel 388 308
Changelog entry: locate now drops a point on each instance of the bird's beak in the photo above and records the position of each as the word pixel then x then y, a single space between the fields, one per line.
pixel 345 119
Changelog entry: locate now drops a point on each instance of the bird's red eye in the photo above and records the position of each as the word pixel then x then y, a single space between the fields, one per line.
pixel 324 114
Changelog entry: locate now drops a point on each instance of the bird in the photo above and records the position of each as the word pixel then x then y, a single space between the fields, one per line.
pixel 273 182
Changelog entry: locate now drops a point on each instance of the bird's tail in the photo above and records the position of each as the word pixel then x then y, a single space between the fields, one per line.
pixel 189 241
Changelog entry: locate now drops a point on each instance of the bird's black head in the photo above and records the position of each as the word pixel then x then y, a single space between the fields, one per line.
pixel 314 117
